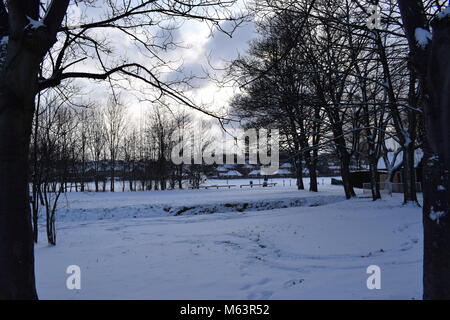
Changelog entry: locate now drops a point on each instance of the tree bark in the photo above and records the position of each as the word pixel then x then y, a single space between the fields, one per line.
pixel 436 209
pixel 409 174
pixel 16 237
pixel 374 181
pixel 433 68
pixel 345 174
pixel 312 169
pixel 19 69
pixel 436 223
pixel 299 172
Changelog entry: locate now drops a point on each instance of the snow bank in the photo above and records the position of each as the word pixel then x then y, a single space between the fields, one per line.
pixel 159 210
pixel 307 252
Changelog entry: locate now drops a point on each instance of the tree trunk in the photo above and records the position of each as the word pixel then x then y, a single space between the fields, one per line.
pixel 113 175
pixel 299 172
pixel 436 209
pixel 345 174
pixel 312 168
pixel 409 175
pixel 436 223
pixel 130 182
pixel 374 182
pixel 17 279
pixel 96 182
pixel 433 68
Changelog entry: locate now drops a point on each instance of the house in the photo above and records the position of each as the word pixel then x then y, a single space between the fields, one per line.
pixel 394 169
pixel 283 173
pixel 395 164
pixel 231 174
pixel 287 166
pixel 255 174
pixel 221 169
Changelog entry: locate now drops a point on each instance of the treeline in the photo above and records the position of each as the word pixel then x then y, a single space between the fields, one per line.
pixel 102 148
pixel 332 84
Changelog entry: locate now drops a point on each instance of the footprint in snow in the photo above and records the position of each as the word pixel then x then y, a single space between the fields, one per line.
pixel 259 283
pixel 292 283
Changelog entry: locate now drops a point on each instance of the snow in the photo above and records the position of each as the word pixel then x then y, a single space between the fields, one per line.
pixel 4 40
pixel 34 24
pixel 284 172
pixel 318 249
pixel 231 173
pixel 418 156
pixel 221 169
pixel 445 13
pixel 423 37
pixel 437 215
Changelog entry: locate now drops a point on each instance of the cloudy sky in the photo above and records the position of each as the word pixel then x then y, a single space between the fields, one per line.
pixel 199 48
pixel 219 49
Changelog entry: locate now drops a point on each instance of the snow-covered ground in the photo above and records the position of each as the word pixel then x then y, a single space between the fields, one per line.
pixel 260 243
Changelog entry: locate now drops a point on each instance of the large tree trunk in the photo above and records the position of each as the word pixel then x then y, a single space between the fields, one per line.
pixel 436 209
pixel 20 60
pixel 16 238
pixel 433 68
pixel 18 84
pixel 436 223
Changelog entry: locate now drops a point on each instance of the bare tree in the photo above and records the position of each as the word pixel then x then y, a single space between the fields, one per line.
pixel 28 33
pixel 114 115
pixel 96 143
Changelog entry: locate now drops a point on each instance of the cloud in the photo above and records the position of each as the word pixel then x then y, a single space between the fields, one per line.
pixel 222 47
pixel 197 44
pixel 201 45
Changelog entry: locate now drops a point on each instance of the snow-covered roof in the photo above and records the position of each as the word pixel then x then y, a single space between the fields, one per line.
pixel 249 166
pixel 280 172
pixel 418 155
pixel 231 173
pixel 444 13
pixel 287 165
pixel 222 169
pixel 283 171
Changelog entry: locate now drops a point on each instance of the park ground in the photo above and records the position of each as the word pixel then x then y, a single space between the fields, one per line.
pixel 237 243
